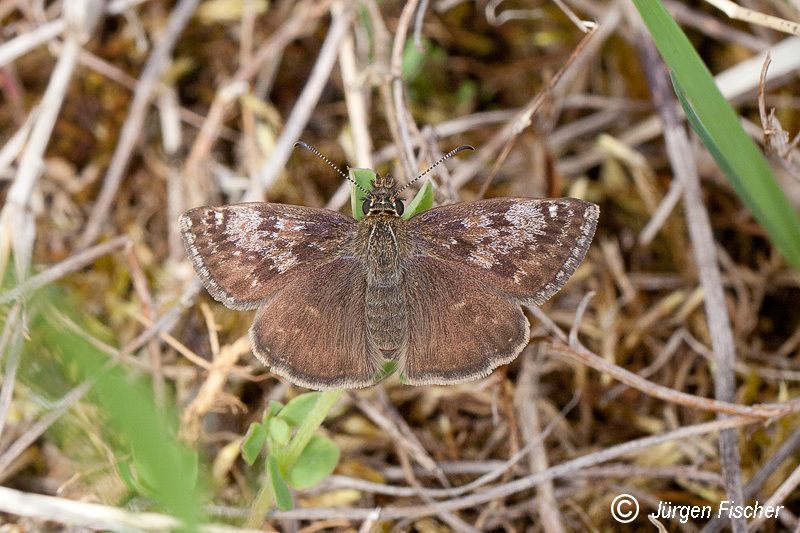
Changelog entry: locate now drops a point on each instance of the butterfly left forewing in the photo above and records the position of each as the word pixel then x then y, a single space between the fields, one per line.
pixel 243 253
pixel 525 248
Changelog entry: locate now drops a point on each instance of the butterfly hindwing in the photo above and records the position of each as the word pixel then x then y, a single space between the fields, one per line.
pixel 459 328
pixel 525 248
pixel 313 332
pixel 243 253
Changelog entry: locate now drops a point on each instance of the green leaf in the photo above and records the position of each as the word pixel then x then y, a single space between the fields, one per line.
pixel 414 59
pixel 253 442
pixel 283 498
pixel 273 409
pixel 364 177
pixel 298 408
pixel 467 91
pixel 316 462
pixel 279 431
pixel 421 202
pixel 127 477
pixel 719 127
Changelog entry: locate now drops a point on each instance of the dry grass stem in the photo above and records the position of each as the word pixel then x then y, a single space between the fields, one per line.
pixel 58 271
pixel 146 86
pixel 92 515
pixel 306 102
pixel 704 250
pixel 737 12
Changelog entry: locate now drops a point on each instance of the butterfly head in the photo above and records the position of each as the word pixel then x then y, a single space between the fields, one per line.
pixel 382 199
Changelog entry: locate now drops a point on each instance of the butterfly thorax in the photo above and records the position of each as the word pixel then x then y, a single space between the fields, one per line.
pixel 384 249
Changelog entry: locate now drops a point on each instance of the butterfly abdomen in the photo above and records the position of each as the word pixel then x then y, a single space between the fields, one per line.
pixel 387 323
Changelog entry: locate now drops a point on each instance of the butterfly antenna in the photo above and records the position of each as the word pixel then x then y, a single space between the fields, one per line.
pixel 444 158
pixel 334 167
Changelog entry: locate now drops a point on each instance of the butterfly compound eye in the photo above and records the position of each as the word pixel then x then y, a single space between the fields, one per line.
pixel 366 206
pixel 398 206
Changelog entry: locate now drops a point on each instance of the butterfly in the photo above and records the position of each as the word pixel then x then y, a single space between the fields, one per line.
pixel 440 293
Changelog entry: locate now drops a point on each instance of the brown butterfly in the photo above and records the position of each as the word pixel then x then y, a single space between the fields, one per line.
pixel 440 293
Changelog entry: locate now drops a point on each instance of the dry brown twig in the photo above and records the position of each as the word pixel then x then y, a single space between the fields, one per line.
pixel 303 19
pixel 404 119
pixel 574 350
pixel 411 445
pixel 468 169
pixel 737 12
pixel 355 100
pixel 775 138
pixel 382 44
pixel 146 87
pixel 524 119
pixel 209 394
pixel 526 397
pixel 306 102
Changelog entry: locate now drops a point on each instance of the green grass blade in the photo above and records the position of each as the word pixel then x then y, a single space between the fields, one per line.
pixel 718 126
pixel 158 465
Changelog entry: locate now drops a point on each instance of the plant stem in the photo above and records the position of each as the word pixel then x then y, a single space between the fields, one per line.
pixel 261 506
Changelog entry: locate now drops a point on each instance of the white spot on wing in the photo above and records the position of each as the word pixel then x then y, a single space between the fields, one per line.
pixel 246 227
pixel 577 253
pixel 482 257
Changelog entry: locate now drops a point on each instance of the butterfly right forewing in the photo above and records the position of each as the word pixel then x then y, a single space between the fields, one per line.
pixel 525 248
pixel 244 253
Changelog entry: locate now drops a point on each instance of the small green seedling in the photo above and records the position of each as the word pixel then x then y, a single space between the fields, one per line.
pixel 294 456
